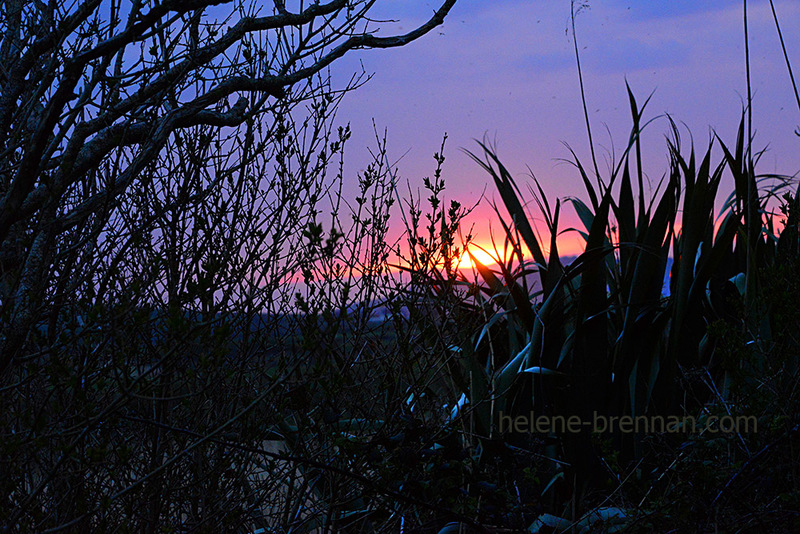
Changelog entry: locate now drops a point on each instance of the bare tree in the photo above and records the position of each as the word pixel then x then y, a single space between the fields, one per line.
pixel 91 85
pixel 163 167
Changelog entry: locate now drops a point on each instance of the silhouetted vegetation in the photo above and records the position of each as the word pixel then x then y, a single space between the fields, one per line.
pixel 201 333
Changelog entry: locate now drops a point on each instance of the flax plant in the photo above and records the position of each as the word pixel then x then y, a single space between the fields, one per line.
pixel 599 335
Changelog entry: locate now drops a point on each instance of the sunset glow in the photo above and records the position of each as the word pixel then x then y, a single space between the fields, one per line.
pixel 479 254
pixel 569 244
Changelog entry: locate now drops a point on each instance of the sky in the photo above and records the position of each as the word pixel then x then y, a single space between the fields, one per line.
pixel 505 70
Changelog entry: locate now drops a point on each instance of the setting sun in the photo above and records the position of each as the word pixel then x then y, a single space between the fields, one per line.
pixel 569 244
pixel 480 254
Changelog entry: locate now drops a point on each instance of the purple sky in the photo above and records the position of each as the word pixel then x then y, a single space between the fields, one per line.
pixel 506 69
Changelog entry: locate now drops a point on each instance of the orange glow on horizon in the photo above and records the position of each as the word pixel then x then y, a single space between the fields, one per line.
pixel 568 245
pixel 480 254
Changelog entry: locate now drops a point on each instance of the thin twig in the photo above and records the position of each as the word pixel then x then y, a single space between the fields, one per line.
pixel 583 93
pixel 785 54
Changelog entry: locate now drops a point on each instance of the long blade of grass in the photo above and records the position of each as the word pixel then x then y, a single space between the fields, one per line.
pixel 509 194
